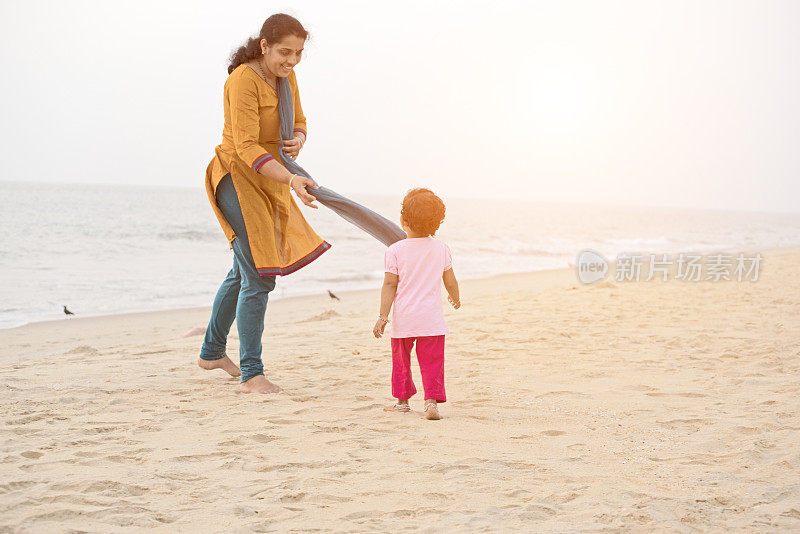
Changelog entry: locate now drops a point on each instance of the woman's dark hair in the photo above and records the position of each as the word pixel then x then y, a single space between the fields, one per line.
pixel 274 29
pixel 423 211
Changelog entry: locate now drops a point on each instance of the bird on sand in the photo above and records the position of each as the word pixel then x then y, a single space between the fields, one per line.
pixel 332 296
pixel 67 312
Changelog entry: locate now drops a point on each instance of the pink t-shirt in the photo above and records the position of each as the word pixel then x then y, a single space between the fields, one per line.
pixel 419 263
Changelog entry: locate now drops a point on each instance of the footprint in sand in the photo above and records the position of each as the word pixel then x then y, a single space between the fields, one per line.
pixel 553 433
pixel 321 316
pixel 27 419
pixel 263 438
pixel 86 454
pixel 231 443
pixel 684 424
pixel 196 331
pixel 109 488
pixel 293 497
pixel 303 398
pixel 578 447
pixel 16 485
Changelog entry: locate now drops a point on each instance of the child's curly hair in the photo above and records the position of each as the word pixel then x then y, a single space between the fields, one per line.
pixel 423 211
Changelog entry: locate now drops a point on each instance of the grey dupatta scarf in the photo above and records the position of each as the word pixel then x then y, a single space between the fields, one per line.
pixel 376 225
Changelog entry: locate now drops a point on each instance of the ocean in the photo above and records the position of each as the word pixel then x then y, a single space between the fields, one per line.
pixel 107 249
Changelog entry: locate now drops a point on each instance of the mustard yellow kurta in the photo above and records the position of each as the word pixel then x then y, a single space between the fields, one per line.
pixel 281 240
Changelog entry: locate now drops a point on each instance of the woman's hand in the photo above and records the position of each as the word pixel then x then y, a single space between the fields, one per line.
pixel 300 185
pixel 292 147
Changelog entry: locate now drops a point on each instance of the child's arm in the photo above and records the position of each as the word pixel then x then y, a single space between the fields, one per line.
pixel 451 285
pixel 388 292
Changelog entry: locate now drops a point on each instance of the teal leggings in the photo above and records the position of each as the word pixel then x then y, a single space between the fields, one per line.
pixel 243 295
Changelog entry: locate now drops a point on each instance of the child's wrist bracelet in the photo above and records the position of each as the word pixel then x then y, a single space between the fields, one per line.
pixel 384 319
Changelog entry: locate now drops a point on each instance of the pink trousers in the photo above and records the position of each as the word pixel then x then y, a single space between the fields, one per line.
pixel 430 355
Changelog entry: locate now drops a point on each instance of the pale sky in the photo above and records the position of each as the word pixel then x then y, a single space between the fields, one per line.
pixel 689 104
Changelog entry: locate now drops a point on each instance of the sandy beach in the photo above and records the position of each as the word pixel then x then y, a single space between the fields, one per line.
pixel 622 406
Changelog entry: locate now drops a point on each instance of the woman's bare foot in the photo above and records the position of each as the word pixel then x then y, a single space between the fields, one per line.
pixel 401 406
pixel 259 384
pixel 223 363
pixel 431 412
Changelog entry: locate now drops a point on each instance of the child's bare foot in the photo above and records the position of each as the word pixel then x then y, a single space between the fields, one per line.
pixel 223 363
pixel 431 412
pixel 259 384
pixel 401 406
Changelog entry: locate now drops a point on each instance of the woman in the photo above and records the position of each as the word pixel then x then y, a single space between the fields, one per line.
pixel 249 190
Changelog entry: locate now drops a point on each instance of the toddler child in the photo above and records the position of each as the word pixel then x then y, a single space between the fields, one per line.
pixel 413 269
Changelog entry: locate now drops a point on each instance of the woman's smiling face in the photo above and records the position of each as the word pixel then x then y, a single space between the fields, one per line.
pixel 282 56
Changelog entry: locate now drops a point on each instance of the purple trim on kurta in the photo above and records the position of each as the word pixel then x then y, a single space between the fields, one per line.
pixel 302 262
pixel 301 130
pixel 261 160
